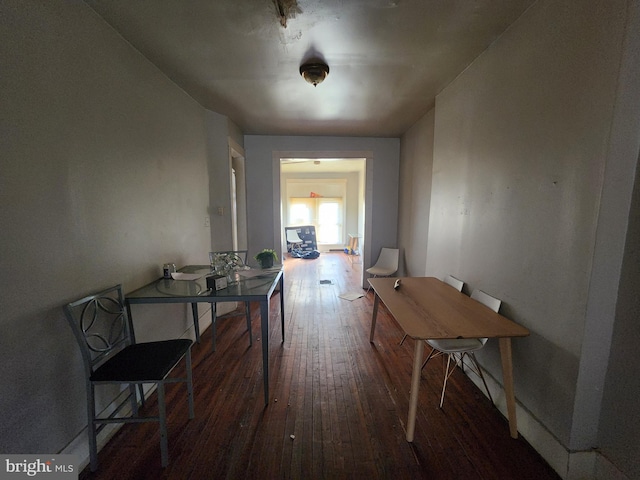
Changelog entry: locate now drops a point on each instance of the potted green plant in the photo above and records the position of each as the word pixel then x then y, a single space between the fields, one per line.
pixel 266 257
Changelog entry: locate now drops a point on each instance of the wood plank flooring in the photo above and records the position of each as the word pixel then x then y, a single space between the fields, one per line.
pixel 338 405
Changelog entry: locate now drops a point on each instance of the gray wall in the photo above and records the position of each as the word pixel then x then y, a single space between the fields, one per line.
pixel 535 147
pixel 263 184
pixel 619 436
pixel 103 179
pixel 220 133
pixel 518 172
pixel 220 187
pixel 619 428
pixel 416 165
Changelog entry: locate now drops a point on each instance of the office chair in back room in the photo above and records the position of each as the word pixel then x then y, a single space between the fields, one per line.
pixel 294 241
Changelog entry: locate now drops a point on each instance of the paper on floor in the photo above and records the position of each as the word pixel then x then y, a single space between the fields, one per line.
pixel 351 296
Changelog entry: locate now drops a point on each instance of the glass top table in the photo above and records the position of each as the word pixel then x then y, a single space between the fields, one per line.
pixel 252 285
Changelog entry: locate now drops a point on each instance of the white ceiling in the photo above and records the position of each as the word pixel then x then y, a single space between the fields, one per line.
pixel 388 58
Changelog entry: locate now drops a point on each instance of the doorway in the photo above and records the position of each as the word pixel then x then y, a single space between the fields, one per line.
pixel 238 198
pixel 324 193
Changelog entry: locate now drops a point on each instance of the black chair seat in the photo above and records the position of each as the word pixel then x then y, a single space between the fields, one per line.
pixel 150 361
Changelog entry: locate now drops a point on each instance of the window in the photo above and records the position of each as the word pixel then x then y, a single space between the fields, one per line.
pixel 301 211
pixel 326 214
pixel 329 220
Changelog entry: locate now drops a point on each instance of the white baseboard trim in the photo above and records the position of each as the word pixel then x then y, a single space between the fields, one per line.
pixel 582 465
pixel 605 470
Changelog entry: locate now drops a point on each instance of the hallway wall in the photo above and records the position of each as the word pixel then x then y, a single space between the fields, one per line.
pixel 104 178
pixel 416 170
pixel 534 157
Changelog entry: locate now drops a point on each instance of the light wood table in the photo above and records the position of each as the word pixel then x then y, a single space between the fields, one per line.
pixel 427 308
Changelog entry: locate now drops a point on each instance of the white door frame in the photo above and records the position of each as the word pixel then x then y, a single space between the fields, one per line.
pixel 368 193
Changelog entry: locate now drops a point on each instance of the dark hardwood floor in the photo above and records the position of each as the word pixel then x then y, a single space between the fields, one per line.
pixel 338 404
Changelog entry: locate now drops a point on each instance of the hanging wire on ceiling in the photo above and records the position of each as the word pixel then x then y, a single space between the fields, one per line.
pixel 286 9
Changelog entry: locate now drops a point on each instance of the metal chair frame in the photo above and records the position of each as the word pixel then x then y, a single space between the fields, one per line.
pixel 386 265
pixel 110 355
pixel 458 349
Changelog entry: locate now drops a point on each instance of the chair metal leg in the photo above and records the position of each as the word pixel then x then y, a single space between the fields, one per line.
pixel 134 399
pixel 403 339
pixel 164 451
pixel 433 350
pixel 213 326
pixel 461 360
pixel 473 359
pixel 141 392
pixel 196 322
pixel 451 368
pixel 447 374
pixel 91 427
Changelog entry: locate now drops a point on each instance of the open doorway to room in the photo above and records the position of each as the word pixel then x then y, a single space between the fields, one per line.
pixel 325 212
pixel 324 199
pixel 238 198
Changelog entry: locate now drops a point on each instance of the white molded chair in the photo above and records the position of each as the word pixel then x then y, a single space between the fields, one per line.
pixel 451 281
pixel 293 239
pixel 454 282
pixel 456 349
pixel 386 265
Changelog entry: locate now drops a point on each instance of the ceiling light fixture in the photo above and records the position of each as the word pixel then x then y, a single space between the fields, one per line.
pixel 314 72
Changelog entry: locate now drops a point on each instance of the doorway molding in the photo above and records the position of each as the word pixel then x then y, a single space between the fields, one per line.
pixel 238 195
pixel 320 154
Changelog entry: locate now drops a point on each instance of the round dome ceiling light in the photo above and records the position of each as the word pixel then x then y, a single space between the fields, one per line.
pixel 314 72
